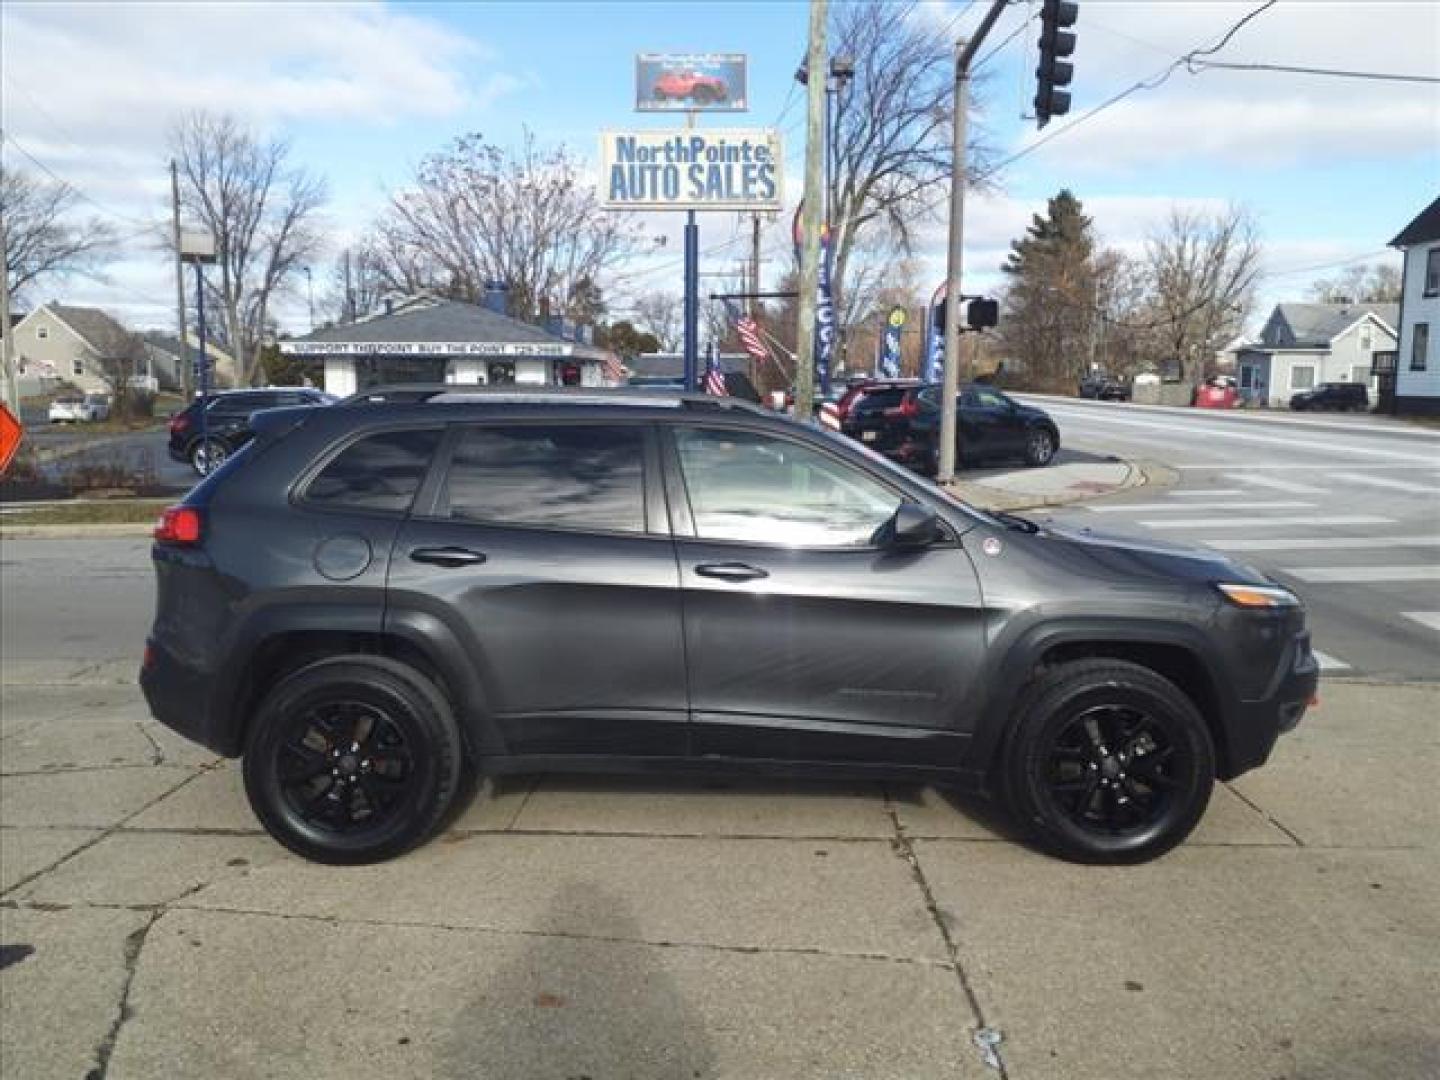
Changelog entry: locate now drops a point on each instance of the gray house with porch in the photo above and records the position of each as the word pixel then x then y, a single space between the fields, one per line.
pixel 1304 345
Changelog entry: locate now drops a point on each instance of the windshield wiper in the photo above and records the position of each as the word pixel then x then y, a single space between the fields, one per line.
pixel 1014 521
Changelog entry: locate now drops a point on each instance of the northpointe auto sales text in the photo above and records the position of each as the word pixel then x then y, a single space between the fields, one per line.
pixel 691 166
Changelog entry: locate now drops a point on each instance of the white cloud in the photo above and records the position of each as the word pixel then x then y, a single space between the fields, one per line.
pixel 90 91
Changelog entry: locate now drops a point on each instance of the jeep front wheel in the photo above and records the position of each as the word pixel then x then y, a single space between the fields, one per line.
pixel 352 760
pixel 1108 762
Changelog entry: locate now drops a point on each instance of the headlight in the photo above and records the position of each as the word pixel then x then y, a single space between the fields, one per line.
pixel 1258 596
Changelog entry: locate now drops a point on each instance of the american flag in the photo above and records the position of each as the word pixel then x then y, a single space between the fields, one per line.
pixel 714 377
pixel 749 331
pixel 613 370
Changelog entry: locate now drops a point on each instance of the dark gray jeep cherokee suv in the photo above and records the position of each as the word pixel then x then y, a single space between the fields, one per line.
pixel 371 601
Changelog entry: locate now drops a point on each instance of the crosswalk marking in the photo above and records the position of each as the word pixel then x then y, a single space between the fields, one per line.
pixel 1288 486
pixel 1290 466
pixel 1260 522
pixel 1323 543
pixel 1247 504
pixel 1205 493
pixel 1365 574
pixel 1425 618
pixel 1385 482
pixel 1329 663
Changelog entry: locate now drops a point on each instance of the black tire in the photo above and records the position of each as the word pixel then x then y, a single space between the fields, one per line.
pixel 1040 447
pixel 1057 782
pixel 391 776
pixel 207 455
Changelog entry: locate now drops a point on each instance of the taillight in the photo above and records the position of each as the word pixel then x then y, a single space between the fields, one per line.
pixel 178 525
pixel 179 423
pixel 908 409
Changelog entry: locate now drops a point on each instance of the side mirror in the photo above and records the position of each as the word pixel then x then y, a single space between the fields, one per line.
pixel 915 526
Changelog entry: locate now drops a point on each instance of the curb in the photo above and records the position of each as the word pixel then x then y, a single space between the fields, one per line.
pixel 987 497
pixel 104 531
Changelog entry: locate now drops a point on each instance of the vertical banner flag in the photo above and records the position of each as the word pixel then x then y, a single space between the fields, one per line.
pixel 824 302
pixel 890 356
pixel 932 368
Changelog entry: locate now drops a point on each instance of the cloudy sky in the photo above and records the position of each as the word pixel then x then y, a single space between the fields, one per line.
pixel 1332 168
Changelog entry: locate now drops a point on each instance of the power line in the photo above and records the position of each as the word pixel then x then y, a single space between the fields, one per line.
pixel 1149 83
pixel 79 192
pixel 1330 265
pixel 1019 29
pixel 1196 67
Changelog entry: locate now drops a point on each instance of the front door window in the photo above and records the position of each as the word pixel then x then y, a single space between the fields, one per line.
pixel 755 488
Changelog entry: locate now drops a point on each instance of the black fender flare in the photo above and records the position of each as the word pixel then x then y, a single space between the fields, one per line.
pixel 1018 654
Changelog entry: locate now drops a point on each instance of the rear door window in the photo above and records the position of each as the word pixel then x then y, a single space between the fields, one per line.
pixel 878 401
pixel 588 477
pixel 380 472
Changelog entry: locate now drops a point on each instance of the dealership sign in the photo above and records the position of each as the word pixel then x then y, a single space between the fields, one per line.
pixel 423 348
pixel 704 82
pixel 730 169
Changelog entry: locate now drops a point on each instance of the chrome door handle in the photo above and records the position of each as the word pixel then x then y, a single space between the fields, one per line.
pixel 731 571
pixel 447 556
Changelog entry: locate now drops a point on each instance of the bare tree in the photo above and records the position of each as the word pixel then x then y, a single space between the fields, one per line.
pixel 527 217
pixel 663 315
pixel 1203 271
pixel 1368 283
pixel 262 212
pixel 892 122
pixel 43 237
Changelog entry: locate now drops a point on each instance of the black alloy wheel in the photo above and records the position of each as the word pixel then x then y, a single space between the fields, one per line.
pixel 1039 447
pixel 352 760
pixel 208 455
pixel 1113 768
pixel 1107 761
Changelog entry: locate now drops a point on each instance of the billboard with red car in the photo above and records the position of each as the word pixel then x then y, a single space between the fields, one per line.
pixel 685 82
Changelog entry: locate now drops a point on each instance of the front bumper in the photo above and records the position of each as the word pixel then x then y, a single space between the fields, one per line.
pixel 1259 723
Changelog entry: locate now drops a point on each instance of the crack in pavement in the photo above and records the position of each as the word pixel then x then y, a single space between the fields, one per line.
pixel 110 831
pixel 1266 815
pixel 134 943
pixel 61 770
pixel 983 1034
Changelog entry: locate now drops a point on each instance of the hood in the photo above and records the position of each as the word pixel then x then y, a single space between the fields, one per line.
pixel 1144 556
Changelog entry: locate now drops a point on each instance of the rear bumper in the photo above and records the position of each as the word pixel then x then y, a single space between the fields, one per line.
pixel 178 696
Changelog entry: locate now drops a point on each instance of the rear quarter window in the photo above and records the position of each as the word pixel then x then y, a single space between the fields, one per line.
pixel 380 472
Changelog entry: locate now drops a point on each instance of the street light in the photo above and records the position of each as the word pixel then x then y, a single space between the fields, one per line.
pixel 198 248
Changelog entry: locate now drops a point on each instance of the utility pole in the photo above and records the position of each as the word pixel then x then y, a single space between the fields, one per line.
pixel 187 374
pixel 965 53
pixel 349 313
pixel 7 344
pixel 810 221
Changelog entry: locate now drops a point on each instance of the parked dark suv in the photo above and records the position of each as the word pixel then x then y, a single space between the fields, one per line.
pixel 227 423
pixel 369 600
pixel 903 423
pixel 1344 396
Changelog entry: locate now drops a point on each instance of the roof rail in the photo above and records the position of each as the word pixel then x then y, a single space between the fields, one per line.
pixel 457 393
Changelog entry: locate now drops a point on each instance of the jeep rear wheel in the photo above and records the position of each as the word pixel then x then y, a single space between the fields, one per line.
pixel 1108 762
pixel 352 760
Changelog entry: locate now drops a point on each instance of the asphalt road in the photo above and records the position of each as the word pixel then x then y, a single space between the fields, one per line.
pixel 143 452
pixel 1343 509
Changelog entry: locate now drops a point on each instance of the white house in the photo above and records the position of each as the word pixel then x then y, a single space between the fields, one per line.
pixel 1417 360
pixel 427 339
pixel 1304 345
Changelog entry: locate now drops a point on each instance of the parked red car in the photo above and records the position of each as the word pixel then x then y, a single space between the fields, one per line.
pixel 1219 393
pixel 690 84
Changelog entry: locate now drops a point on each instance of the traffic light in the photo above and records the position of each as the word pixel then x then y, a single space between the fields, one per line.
pixel 981 314
pixel 1054 73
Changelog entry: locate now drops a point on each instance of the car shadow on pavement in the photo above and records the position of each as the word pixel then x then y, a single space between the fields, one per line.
pixel 570 1006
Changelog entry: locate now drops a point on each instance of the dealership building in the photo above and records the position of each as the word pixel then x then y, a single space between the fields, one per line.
pixel 432 340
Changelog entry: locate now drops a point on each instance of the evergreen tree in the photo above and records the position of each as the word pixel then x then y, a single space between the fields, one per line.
pixel 1049 321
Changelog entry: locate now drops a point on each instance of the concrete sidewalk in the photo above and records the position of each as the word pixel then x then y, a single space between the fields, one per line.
pixel 568 926
pixel 1071 478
